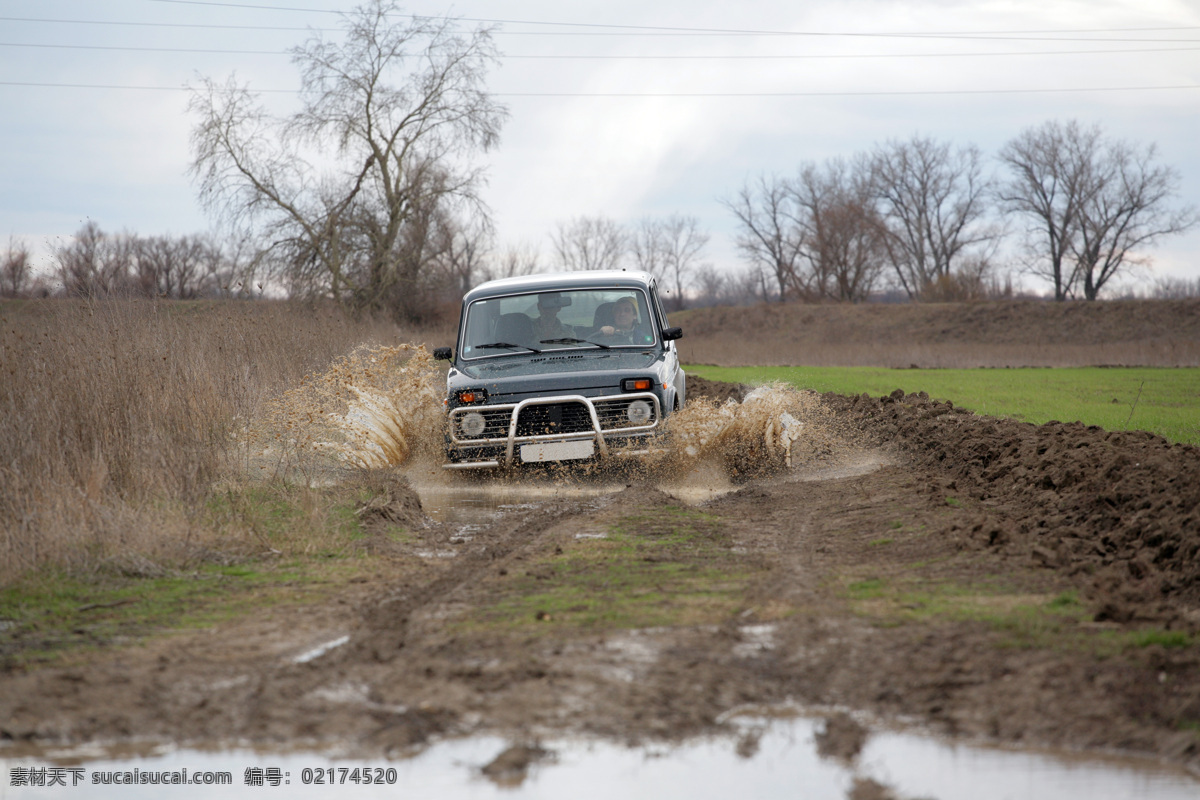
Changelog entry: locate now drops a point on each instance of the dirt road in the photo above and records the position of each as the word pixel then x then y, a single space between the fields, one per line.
pixel 983 578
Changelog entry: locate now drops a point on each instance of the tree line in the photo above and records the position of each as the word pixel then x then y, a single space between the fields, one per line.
pixel 95 263
pixel 1073 206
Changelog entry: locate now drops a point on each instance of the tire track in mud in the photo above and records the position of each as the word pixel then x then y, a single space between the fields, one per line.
pixel 491 548
pixel 402 677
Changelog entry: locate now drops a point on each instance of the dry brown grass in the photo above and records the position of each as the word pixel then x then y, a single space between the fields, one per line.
pixel 118 417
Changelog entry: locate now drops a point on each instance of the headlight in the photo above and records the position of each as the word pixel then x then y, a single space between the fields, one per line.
pixel 472 424
pixel 638 412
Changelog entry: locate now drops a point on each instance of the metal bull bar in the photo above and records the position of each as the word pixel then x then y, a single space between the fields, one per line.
pixel 597 433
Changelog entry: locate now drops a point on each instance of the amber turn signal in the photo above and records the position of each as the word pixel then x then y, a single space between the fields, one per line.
pixel 467 396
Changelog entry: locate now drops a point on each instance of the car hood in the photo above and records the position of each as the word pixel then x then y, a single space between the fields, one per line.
pixel 564 372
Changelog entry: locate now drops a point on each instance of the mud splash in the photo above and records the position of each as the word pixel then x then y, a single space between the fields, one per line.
pixel 377 407
pixel 382 407
pixel 772 429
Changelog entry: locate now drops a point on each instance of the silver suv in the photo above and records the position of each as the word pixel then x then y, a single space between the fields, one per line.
pixel 560 367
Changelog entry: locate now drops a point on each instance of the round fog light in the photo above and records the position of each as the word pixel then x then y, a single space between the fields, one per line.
pixel 472 424
pixel 638 412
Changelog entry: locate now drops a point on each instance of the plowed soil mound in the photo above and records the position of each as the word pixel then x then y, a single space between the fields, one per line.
pixel 1122 509
pixel 714 390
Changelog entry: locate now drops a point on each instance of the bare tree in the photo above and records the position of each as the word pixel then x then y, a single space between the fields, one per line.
pixel 683 245
pixel 842 236
pixel 1092 203
pixel 670 249
pixel 227 268
pixel 587 243
pixel 463 254
pixel 176 267
pixel 95 263
pixel 347 189
pixel 715 287
pixel 515 260
pixel 1048 175
pixel 645 243
pixel 769 237
pixel 14 269
pixel 1169 288
pixel 711 286
pixel 1127 207
pixel 932 198
pixel 232 265
pixel 749 286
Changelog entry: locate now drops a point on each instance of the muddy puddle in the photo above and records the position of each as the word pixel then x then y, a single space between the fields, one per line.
pixel 765 757
pixel 473 500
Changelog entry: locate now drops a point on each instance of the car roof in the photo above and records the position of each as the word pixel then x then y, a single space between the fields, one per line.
pixel 561 281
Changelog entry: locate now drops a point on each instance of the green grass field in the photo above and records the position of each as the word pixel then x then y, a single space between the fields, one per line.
pixel 1161 400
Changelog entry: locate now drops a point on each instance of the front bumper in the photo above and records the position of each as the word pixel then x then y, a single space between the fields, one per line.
pixel 598 420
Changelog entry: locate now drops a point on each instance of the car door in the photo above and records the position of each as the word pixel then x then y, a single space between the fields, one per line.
pixel 673 374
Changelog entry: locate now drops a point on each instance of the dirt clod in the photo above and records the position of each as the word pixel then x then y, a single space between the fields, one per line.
pixel 841 738
pixel 510 767
pixel 868 789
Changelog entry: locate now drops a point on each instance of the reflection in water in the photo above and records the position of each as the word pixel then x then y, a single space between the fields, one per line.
pixel 783 763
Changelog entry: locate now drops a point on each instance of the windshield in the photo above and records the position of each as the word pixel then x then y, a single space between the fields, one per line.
pixel 593 319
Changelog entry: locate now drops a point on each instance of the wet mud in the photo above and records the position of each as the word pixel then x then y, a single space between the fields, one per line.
pixel 984 579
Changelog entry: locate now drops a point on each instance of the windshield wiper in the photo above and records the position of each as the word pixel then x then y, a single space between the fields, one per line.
pixel 569 340
pixel 506 345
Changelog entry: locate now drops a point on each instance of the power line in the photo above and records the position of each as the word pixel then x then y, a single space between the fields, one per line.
pixel 47 85
pixel 723 31
pixel 637 57
pixel 827 56
pixel 900 93
pixel 106 48
pixel 253 6
pixel 881 93
pixel 646 30
pixel 186 25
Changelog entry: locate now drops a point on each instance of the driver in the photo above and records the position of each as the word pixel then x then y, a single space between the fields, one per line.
pixel 624 319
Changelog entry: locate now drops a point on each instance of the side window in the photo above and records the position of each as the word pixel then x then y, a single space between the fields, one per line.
pixel 479 326
pixel 658 309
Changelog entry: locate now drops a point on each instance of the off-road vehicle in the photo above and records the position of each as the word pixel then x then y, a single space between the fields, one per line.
pixel 559 367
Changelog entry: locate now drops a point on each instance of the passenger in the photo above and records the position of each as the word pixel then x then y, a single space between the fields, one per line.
pixel 547 325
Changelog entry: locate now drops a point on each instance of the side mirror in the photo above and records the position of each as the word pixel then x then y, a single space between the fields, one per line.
pixel 671 334
pixel 443 354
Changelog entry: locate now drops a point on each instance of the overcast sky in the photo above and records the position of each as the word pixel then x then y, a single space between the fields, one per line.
pixel 96 126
